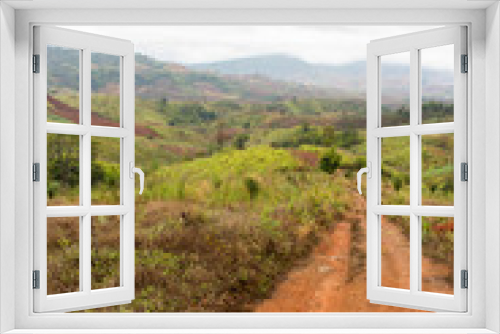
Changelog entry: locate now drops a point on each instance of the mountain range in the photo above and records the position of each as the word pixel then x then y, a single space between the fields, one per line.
pixel 349 77
pixel 155 79
pixel 266 78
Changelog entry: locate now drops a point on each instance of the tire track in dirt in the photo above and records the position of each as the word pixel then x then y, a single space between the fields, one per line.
pixel 333 279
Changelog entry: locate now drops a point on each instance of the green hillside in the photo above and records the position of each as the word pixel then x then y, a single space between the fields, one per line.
pixel 237 194
pixel 157 79
pixel 243 176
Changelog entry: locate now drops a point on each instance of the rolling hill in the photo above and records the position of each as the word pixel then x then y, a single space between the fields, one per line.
pixel 259 79
pixel 350 77
pixel 157 79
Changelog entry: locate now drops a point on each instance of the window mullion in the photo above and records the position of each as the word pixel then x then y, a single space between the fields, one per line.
pixel 86 122
pixel 414 170
pixel 81 171
pixel 86 242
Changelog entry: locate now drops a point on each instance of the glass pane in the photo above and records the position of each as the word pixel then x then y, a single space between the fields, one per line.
pixel 395 89
pixel 105 171
pixel 63 169
pixel 63 85
pixel 437 254
pixel 437 84
pixel 105 90
pixel 437 169
pixel 105 252
pixel 63 255
pixel 395 171
pixel 395 249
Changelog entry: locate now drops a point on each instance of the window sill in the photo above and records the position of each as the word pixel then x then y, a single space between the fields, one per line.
pixel 249 331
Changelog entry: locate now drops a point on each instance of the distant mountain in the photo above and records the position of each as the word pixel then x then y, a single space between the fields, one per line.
pixel 157 79
pixel 254 79
pixel 349 77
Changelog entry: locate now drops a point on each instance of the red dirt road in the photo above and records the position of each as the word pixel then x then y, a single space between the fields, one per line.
pixel 333 279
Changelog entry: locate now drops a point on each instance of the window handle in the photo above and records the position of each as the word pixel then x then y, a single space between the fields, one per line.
pixel 368 171
pixel 138 171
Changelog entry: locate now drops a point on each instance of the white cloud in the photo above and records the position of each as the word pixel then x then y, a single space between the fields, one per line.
pixel 315 44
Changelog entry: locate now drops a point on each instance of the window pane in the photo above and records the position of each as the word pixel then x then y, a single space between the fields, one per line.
pixel 63 169
pixel 395 171
pixel 437 254
pixel 63 85
pixel 105 171
pixel 63 255
pixel 437 84
pixel 395 89
pixel 105 252
pixel 105 90
pixel 395 249
pixel 437 169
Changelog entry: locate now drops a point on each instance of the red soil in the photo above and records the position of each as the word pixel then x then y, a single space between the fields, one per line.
pixel 308 158
pixel 334 278
pixel 63 110
pixel 445 227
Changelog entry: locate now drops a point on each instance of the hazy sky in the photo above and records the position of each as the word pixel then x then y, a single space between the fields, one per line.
pixel 315 44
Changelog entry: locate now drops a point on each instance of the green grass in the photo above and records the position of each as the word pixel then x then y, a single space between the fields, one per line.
pixel 217 228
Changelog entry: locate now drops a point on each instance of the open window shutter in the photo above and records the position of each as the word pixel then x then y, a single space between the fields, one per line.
pixel 415 294
pixel 79 120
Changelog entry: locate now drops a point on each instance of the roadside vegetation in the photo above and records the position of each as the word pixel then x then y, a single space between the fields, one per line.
pixel 241 183
pixel 237 194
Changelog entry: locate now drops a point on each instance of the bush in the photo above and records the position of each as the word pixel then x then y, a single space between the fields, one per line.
pixel 105 173
pixel 189 113
pixel 241 141
pixel 330 161
pixel 63 161
pixel 348 138
pixel 252 187
pixel 301 135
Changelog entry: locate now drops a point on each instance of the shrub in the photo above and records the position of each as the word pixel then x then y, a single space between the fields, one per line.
pixel 63 161
pixel 348 138
pixel 241 141
pixel 330 161
pixel 105 173
pixel 252 187
pixel 189 113
pixel 397 183
pixel 301 135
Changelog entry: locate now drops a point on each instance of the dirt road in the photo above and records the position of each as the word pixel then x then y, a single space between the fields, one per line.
pixel 333 279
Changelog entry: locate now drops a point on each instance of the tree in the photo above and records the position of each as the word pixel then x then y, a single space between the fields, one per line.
pixel 252 187
pixel 241 141
pixel 330 161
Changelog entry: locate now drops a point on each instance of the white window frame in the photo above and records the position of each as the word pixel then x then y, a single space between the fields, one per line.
pixel 413 44
pixel 476 320
pixel 85 44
